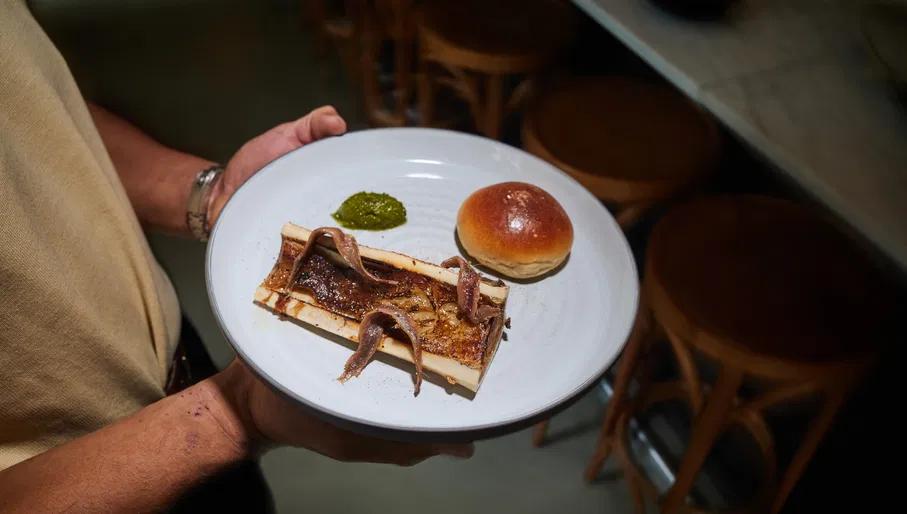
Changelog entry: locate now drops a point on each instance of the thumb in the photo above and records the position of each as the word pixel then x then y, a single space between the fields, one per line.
pixel 321 123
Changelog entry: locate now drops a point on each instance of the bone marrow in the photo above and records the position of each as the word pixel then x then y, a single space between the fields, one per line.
pixel 443 321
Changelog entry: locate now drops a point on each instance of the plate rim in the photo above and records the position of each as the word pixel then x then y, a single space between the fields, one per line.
pixel 357 422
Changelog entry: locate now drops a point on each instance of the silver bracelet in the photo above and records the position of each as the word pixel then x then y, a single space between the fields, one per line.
pixel 199 198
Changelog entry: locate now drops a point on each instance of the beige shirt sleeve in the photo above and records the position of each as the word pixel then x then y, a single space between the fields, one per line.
pixel 88 320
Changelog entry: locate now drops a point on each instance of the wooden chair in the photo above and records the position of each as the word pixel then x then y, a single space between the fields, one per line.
pixel 477 47
pixel 360 29
pixel 632 143
pixel 333 22
pixel 767 292
pixel 381 22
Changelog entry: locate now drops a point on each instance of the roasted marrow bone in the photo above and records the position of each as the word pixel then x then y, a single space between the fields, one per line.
pixel 449 323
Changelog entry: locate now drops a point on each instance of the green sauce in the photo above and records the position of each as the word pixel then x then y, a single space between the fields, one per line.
pixel 371 211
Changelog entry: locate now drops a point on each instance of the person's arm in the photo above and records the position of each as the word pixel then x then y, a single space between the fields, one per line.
pixel 146 461
pixel 158 179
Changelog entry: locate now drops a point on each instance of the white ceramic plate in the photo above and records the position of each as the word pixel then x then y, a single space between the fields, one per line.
pixel 566 329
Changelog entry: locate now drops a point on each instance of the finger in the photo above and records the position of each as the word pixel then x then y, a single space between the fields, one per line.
pixel 321 123
pixel 327 125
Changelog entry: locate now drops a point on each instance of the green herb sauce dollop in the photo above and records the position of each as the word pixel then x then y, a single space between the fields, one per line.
pixel 370 211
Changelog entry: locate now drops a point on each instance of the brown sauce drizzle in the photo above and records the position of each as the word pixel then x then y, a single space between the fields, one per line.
pixel 281 304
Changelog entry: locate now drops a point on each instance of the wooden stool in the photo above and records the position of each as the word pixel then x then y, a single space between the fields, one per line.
pixel 379 22
pixel 479 44
pixel 768 293
pixel 334 21
pixel 328 19
pixel 630 142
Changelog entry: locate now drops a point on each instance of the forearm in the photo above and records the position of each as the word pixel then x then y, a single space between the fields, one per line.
pixel 139 464
pixel 157 179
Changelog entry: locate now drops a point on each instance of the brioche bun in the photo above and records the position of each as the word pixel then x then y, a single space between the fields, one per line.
pixel 516 229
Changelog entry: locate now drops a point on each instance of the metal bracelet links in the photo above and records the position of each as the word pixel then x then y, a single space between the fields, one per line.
pixel 199 198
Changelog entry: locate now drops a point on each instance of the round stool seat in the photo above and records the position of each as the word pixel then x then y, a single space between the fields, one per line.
pixel 496 36
pixel 757 277
pixel 624 139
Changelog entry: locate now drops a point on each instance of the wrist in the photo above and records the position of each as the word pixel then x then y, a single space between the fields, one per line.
pixel 217 200
pixel 228 395
pixel 206 187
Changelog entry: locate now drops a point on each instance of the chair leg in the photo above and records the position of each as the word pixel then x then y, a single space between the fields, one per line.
pixel 629 215
pixel 638 340
pixel 630 474
pixel 706 429
pixel 368 67
pixel 539 432
pixel 494 108
pixel 425 92
pixel 808 446
pixel 403 74
pixel 314 14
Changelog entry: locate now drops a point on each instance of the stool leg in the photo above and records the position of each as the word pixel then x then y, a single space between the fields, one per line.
pixel 368 65
pixel 808 446
pixel 638 340
pixel 425 91
pixel 348 44
pixel 494 109
pixel 630 214
pixel 403 70
pixel 705 430
pixel 539 432
pixel 315 14
pixel 630 474
pixel 522 94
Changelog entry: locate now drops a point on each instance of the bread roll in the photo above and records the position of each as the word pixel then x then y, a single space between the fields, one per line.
pixel 516 229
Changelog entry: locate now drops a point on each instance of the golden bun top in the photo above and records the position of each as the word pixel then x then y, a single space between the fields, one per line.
pixel 515 228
